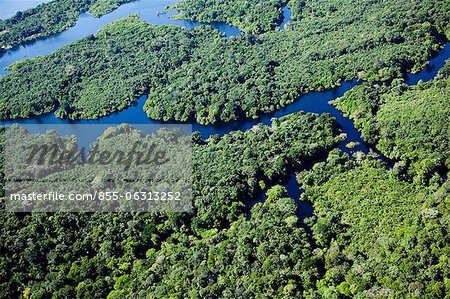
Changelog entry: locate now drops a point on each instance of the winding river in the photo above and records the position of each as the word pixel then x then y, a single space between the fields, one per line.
pixel 150 11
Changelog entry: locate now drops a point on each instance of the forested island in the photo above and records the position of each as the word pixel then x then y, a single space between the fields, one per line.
pixel 381 218
pixel 49 18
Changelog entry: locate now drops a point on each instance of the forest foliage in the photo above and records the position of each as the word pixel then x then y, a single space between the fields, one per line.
pixel 242 160
pixel 122 160
pixel 372 234
pixel 201 75
pixel 375 233
pixel 268 256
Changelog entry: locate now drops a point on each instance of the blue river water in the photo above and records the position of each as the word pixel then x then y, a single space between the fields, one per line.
pixel 150 11
pixel 287 17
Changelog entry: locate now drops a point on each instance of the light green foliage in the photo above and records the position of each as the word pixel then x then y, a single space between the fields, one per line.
pixel 103 7
pixel 380 237
pixel 296 7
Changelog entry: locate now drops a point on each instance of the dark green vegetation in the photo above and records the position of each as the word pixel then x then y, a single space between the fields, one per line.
pixel 378 237
pixel 201 75
pixel 268 256
pixel 49 18
pixel 101 74
pixel 407 124
pixel 253 16
pixel 90 255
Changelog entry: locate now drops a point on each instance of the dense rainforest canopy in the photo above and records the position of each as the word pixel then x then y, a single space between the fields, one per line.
pixel 87 255
pixel 378 236
pixel 202 75
pixel 407 124
pixel 49 18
